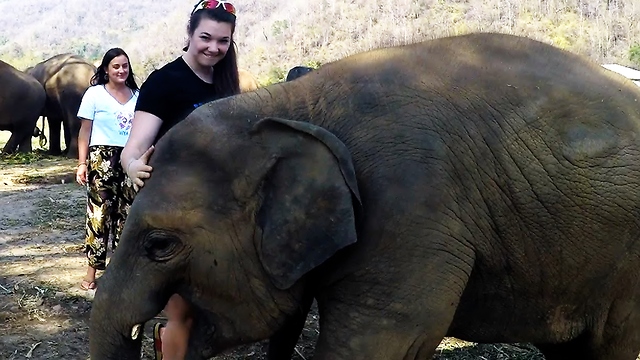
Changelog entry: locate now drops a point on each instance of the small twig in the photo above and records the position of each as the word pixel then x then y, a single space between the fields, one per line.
pixel 20 300
pixel 500 351
pixel 299 353
pixel 31 350
pixel 5 289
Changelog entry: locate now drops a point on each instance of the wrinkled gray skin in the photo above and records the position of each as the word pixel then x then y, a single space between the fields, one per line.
pixel 485 187
pixel 65 78
pixel 21 101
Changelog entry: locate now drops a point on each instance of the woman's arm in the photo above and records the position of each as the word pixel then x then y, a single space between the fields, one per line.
pixel 83 140
pixel 86 114
pixel 83 150
pixel 135 155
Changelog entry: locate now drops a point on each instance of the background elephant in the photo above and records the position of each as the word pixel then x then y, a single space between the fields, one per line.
pixel 297 72
pixel 485 187
pixel 21 101
pixel 247 81
pixel 65 78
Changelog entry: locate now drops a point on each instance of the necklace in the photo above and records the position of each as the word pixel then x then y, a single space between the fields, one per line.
pixel 198 74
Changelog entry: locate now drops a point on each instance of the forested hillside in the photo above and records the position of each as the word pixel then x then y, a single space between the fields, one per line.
pixel 273 36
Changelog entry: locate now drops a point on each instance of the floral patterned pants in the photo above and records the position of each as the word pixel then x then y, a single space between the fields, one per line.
pixel 109 195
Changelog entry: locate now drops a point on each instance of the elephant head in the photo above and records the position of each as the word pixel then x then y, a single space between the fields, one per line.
pixel 235 218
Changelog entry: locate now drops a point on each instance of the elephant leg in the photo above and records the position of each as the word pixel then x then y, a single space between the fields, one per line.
pixel 25 144
pixel 71 125
pixel 579 349
pixel 54 135
pixel 20 139
pixel 12 144
pixel 401 314
pixel 380 337
pixel 283 342
pixel 618 340
pixel 67 135
pixel 28 129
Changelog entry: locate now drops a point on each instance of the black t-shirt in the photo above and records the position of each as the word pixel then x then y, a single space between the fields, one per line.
pixel 172 92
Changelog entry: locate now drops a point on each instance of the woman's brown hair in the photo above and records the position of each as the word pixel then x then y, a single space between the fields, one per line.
pixel 225 72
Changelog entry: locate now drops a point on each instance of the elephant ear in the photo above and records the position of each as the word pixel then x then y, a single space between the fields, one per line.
pixel 310 199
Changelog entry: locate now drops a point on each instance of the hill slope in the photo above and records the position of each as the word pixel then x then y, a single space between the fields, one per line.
pixel 273 36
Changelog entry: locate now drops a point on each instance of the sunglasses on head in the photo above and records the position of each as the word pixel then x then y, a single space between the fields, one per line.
pixel 212 4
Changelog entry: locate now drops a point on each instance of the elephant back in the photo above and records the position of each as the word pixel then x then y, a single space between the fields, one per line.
pixel 65 78
pixel 62 65
pixel 22 86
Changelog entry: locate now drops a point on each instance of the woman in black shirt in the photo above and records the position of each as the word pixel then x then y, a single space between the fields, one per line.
pixel 208 70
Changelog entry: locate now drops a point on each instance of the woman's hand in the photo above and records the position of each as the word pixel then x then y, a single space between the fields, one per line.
pixel 134 158
pixel 137 169
pixel 175 338
pixel 81 174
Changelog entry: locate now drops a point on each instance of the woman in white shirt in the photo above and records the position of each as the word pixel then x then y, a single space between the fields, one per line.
pixel 106 112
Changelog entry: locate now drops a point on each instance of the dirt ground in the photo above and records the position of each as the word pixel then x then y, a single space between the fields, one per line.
pixel 43 312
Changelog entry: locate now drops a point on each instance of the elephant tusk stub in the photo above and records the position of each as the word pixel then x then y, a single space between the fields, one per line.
pixel 135 331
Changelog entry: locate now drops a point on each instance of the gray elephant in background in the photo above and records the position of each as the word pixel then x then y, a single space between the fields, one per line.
pixel 485 187
pixel 65 78
pixel 298 71
pixel 22 99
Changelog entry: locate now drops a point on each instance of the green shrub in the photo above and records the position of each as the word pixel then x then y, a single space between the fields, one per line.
pixel 634 54
pixel 313 64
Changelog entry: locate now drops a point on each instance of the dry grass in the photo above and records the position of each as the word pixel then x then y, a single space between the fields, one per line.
pixel 454 349
pixel 273 36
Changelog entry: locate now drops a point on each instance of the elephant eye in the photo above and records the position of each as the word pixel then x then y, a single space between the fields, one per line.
pixel 161 246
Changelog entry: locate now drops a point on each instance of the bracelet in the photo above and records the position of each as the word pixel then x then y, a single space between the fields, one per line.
pixel 82 163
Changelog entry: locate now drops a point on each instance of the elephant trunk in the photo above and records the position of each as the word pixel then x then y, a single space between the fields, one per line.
pixel 110 338
pixel 123 303
pixel 111 344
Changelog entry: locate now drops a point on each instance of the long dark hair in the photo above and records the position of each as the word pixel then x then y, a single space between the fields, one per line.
pixel 225 73
pixel 101 77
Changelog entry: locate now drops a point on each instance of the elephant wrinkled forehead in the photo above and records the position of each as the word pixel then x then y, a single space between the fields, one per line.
pixel 195 165
pixel 188 182
pixel 178 208
pixel 170 219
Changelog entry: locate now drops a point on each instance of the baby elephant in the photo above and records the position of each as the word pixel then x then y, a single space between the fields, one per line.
pixel 485 187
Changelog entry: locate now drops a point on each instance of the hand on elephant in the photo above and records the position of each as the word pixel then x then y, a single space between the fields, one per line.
pixel 175 336
pixel 137 169
pixel 81 174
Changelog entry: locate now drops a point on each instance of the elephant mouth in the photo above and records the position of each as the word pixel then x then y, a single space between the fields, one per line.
pixel 203 331
pixel 201 334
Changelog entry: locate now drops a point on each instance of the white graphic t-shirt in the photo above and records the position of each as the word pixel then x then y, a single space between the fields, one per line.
pixel 111 120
